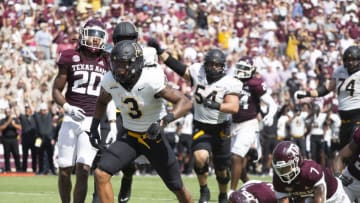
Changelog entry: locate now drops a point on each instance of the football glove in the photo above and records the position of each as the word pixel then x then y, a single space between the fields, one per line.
pixel 155 44
pixel 344 179
pixel 76 113
pixel 211 104
pixel 95 139
pixel 155 128
pixel 301 94
pixel 111 136
pixel 268 120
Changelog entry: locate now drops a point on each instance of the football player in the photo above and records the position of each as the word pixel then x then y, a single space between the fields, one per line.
pixel 127 31
pixel 350 177
pixel 138 92
pixel 254 191
pixel 216 97
pixel 346 83
pixel 245 125
pixel 81 70
pixel 303 180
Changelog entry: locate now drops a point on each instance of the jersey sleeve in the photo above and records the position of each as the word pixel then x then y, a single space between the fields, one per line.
pixel 67 57
pixel 158 80
pixel 107 81
pixel 259 87
pixel 194 70
pixel 235 86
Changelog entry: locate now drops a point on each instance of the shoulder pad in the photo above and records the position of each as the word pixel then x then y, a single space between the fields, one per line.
pixel 68 56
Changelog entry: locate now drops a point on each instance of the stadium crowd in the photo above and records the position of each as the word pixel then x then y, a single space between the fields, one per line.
pixel 295 45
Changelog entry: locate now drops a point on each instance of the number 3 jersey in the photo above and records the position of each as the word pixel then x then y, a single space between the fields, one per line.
pixel 83 78
pixel 216 90
pixel 139 107
pixel 348 89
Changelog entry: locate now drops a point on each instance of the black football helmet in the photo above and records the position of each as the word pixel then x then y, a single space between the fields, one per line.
pixel 244 68
pixel 351 59
pixel 93 36
pixel 214 65
pixel 126 62
pixel 286 161
pixel 124 31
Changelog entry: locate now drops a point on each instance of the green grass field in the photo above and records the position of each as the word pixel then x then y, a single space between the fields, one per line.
pixel 146 189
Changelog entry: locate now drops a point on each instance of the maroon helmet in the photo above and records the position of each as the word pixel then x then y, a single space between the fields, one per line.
pixel 244 68
pixel 242 196
pixel 286 161
pixel 93 35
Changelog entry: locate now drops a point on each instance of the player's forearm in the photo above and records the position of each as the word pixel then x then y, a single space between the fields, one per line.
pixel 182 107
pixel 58 97
pixel 175 65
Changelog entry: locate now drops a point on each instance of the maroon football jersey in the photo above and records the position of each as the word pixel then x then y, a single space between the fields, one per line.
pixel 83 78
pixel 303 185
pixel 249 104
pixel 354 165
pixel 264 192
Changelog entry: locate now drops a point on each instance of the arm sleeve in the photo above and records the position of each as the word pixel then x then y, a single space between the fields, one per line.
pixel 111 111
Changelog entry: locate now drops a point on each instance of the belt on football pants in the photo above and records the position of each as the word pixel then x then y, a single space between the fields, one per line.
pixel 343 121
pixel 202 132
pixel 139 137
pixel 198 134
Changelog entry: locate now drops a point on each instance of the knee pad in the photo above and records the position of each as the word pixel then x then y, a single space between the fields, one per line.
pixel 223 180
pixel 129 170
pixel 202 170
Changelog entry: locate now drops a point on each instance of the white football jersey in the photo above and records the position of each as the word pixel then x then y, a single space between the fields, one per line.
pixel 139 107
pixel 347 89
pixel 219 89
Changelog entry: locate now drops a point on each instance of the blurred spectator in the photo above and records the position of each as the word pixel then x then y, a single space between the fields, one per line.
pixel 10 127
pixel 28 135
pixel 292 46
pixel 45 131
pixel 44 40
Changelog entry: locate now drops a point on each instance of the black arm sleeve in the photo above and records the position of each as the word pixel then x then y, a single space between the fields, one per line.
pixel 322 90
pixel 95 124
pixel 175 65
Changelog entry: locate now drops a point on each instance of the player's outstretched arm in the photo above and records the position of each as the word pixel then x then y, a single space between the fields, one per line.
pixel 322 90
pixel 171 62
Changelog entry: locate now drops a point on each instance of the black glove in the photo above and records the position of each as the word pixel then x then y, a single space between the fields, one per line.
pixel 211 104
pixel 95 139
pixel 155 44
pixel 155 128
pixel 299 94
pixel 344 179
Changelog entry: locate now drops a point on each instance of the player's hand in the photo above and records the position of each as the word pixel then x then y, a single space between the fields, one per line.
pixel 111 137
pixel 301 94
pixel 346 180
pixel 155 44
pixel 211 104
pixel 268 120
pixel 95 139
pixel 76 113
pixel 154 130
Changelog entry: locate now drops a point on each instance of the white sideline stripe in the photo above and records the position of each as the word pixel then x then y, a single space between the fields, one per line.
pixel 89 195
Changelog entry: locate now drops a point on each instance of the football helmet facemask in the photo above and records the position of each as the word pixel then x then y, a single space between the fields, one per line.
pixel 286 161
pixel 351 59
pixel 244 68
pixel 126 62
pixel 214 65
pixel 93 36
